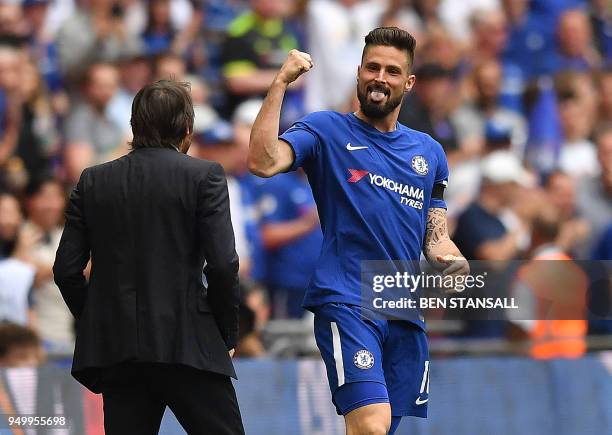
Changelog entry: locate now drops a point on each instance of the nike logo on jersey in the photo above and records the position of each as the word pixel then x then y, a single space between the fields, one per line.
pixel 420 401
pixel 352 148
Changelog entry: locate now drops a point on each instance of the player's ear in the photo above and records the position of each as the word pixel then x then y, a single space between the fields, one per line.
pixel 358 71
pixel 409 83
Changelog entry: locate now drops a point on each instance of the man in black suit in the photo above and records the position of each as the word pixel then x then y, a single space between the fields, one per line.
pixel 149 334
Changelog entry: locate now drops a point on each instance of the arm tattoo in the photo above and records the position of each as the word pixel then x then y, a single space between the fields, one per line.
pixel 436 230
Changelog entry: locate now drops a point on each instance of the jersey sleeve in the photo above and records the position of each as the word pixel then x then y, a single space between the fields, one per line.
pixel 302 137
pixel 441 177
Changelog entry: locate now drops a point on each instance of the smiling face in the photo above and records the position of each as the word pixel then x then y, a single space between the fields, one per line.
pixel 382 79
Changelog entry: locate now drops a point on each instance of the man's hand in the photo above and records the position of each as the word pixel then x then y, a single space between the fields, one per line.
pixel 297 63
pixel 453 265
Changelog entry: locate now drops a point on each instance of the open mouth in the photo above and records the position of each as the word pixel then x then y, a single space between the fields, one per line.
pixel 377 94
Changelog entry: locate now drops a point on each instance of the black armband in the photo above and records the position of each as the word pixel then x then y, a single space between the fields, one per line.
pixel 438 191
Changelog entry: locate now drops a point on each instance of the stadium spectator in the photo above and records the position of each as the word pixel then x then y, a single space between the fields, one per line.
pixel 91 136
pixel 490 38
pixel 578 156
pixel 159 33
pixel 595 193
pixel 575 49
pixel 560 189
pixel 135 73
pixel 467 174
pixel 45 204
pixel 39 138
pixel 96 32
pixel 12 23
pixel 414 16
pixel 169 66
pixel 183 15
pixel 242 124
pixel 600 23
pixel 291 234
pixel 335 30
pixel 256 45
pixel 556 289
pixel 163 33
pixel 19 347
pixel 457 16
pixel 218 14
pixel 488 229
pixel 16 275
pixel 440 48
pixel 10 115
pixel 540 36
pixel 604 90
pixel 489 30
pixel 205 115
pixel 221 142
pixel 526 37
pixel 472 118
pixel 42 47
pixel 216 143
pixel 59 11
pixel 29 130
pixel 493 228
pixel 427 108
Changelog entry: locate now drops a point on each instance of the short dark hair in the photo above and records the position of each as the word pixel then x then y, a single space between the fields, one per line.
pixel 13 335
pixel 162 115
pixel 37 183
pixel 391 37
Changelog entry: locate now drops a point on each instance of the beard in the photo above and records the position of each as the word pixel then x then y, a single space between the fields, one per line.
pixel 375 110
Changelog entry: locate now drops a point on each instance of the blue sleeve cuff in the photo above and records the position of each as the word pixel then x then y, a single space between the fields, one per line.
pixel 303 143
pixel 437 203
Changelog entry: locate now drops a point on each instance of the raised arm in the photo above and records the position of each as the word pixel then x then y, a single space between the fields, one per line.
pixel 269 155
pixel 440 251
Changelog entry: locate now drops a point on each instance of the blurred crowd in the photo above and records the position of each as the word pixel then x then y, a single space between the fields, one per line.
pixel 518 92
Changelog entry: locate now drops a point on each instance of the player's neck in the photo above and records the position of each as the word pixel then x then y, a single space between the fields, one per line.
pixel 384 125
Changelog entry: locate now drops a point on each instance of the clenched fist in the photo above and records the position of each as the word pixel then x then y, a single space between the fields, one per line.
pixel 297 63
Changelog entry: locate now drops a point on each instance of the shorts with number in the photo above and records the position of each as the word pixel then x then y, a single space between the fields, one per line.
pixel 393 353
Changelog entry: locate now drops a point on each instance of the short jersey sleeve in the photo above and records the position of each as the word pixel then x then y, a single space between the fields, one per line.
pixel 441 176
pixel 304 141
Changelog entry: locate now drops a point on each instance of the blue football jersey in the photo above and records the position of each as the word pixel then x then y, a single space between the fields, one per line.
pixel 373 192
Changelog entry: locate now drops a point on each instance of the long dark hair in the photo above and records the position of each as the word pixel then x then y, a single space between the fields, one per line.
pixel 162 115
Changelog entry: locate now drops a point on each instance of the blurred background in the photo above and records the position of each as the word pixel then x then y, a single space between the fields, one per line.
pixel 518 92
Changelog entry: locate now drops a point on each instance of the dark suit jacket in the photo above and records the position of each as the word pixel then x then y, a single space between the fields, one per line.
pixel 151 220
